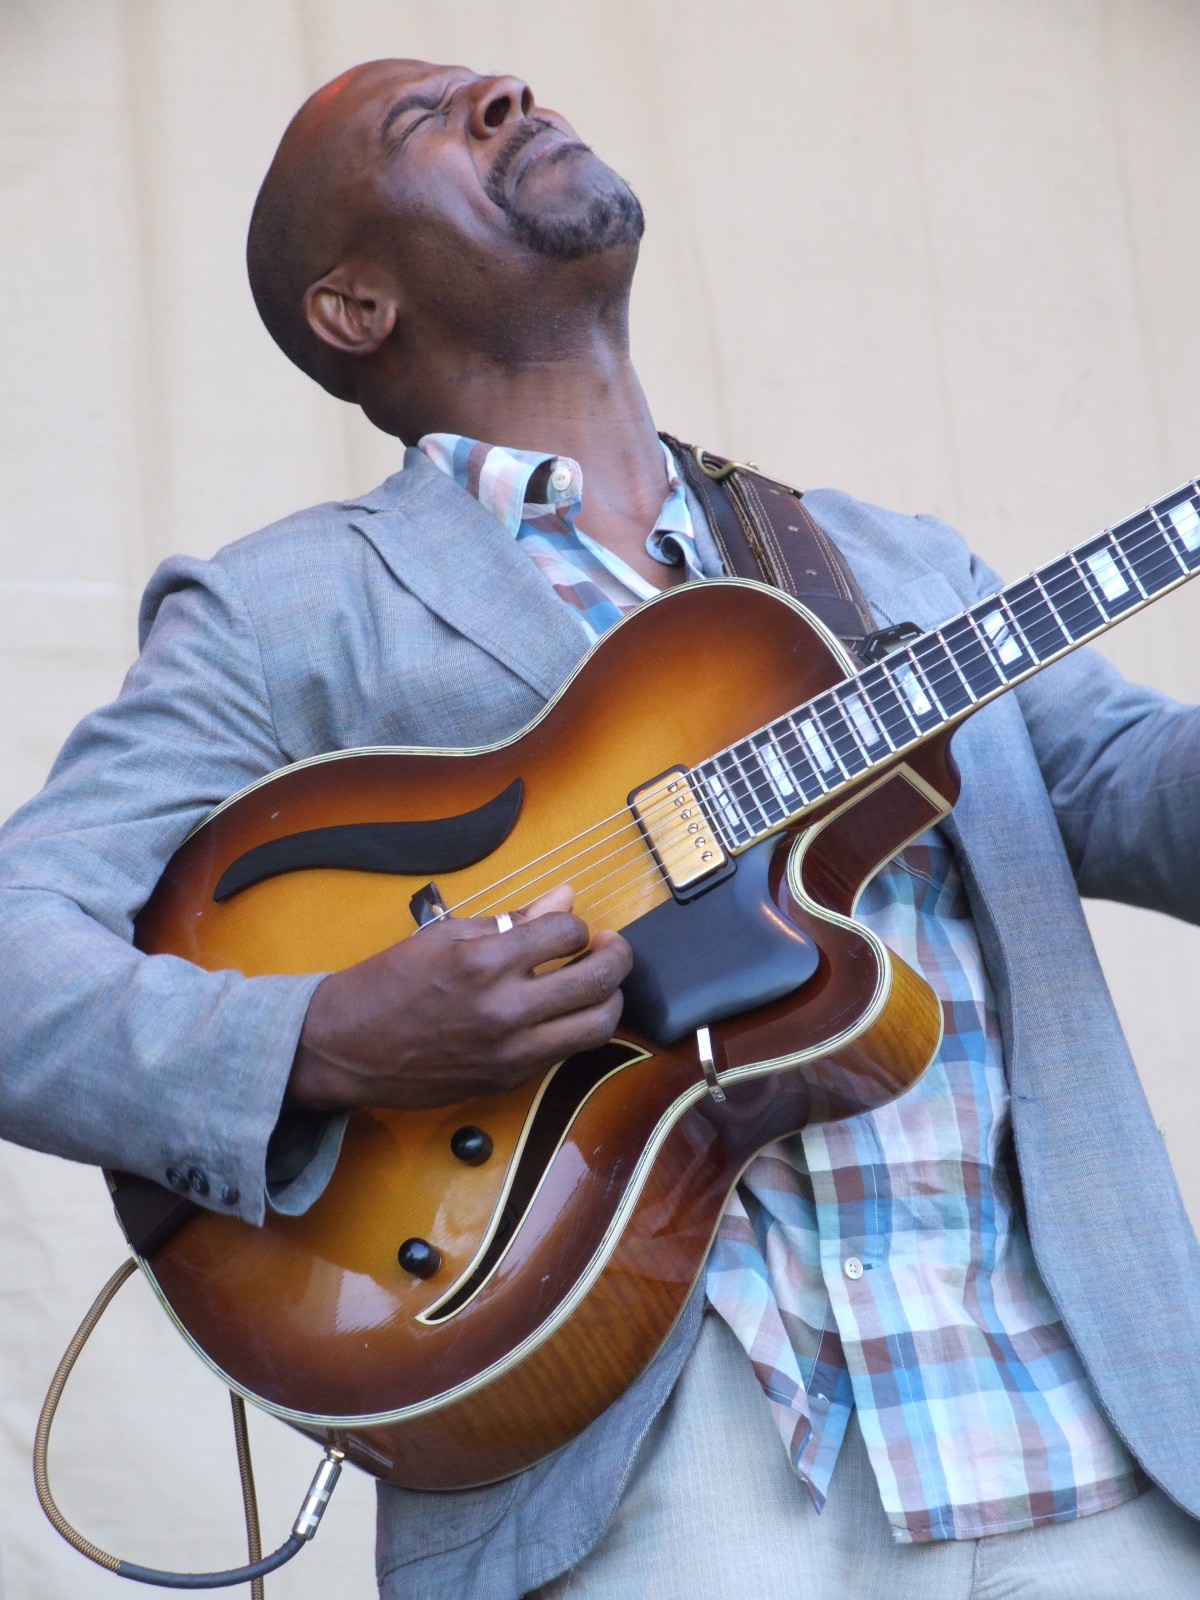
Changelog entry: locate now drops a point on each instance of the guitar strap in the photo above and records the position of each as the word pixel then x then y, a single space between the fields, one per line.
pixel 763 530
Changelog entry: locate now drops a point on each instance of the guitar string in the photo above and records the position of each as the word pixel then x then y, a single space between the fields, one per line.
pixel 975 651
pixel 1076 593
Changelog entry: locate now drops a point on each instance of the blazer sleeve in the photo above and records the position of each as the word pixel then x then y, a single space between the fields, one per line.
pixel 1122 766
pixel 148 1063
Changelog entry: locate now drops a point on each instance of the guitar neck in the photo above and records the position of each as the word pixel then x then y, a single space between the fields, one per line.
pixel 767 780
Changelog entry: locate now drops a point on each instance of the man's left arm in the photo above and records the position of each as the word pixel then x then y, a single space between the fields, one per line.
pixel 1121 763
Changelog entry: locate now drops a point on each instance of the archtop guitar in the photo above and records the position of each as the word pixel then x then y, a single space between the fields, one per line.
pixel 719 780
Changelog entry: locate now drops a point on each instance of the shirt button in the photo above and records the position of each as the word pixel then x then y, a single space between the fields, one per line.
pixel 197 1181
pixel 561 478
pixel 852 1267
pixel 177 1180
pixel 229 1195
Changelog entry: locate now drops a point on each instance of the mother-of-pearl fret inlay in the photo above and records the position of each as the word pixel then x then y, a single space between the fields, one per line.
pixel 1000 634
pixel 777 769
pixel 1187 523
pixel 1107 575
pixel 911 684
pixel 817 747
pixel 867 731
pixel 764 781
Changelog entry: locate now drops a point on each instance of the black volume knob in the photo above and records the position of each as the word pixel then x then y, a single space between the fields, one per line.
pixel 471 1145
pixel 419 1257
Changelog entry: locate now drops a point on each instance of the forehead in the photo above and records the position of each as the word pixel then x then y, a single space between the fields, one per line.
pixel 365 96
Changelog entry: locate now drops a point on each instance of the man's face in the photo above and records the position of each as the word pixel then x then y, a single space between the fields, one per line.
pixel 442 152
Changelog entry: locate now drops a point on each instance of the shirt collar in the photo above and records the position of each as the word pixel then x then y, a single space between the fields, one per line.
pixel 499 479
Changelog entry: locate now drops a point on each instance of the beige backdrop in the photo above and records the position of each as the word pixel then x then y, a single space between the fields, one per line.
pixel 937 252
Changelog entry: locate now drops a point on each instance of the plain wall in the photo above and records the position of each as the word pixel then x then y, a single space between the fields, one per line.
pixel 939 253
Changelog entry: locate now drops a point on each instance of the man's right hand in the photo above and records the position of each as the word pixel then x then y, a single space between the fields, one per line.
pixel 458 1010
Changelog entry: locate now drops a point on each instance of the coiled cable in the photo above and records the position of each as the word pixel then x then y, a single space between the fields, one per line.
pixel 306 1523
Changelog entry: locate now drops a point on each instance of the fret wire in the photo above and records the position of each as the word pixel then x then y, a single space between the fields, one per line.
pixel 1075 597
pixel 773 790
pixel 924 676
pixel 901 697
pixel 857 744
pixel 743 775
pixel 1043 631
pixel 945 674
pixel 972 653
pixel 989 650
pixel 1057 614
pixel 726 801
pixel 749 782
pixel 886 688
pixel 730 781
pixel 830 738
pixel 803 755
pixel 771 757
pixel 712 806
pixel 811 744
pixel 1167 541
pixel 872 711
pixel 1124 562
pixel 1016 626
pixel 750 787
pixel 1171 535
pixel 1092 589
pixel 953 659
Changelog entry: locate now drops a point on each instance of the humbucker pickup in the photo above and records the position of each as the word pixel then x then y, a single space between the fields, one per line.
pixel 677 830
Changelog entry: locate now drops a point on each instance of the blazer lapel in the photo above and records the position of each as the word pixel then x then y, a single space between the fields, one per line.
pixel 441 544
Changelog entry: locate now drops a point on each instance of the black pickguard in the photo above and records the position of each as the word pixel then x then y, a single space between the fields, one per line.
pixel 444 844
pixel 725 952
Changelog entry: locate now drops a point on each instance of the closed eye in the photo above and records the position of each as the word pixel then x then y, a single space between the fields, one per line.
pixel 427 102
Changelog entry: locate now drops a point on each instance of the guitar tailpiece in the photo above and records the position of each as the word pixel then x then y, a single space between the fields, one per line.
pixel 708 1065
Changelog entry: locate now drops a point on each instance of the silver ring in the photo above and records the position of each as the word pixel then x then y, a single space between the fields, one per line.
pixel 503 922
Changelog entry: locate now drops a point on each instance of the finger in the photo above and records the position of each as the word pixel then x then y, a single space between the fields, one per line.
pixel 585 983
pixel 552 936
pixel 555 1040
pixel 560 898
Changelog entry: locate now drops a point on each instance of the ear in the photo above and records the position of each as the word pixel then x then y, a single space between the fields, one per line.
pixel 349 313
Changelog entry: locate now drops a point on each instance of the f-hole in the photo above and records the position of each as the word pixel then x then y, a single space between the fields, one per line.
pixel 569 1086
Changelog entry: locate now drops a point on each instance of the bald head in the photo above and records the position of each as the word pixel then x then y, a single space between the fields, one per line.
pixel 304 220
pixel 417 216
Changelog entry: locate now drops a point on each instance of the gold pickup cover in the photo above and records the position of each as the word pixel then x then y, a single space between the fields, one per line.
pixel 676 829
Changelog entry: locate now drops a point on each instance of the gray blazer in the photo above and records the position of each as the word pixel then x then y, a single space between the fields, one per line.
pixel 409 617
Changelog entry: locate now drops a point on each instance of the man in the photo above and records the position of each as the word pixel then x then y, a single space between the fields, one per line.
pixel 966 1405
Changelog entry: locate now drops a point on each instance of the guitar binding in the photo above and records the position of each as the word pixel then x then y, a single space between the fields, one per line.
pixel 564 1093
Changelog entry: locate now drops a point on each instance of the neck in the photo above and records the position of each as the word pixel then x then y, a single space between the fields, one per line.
pixel 586 402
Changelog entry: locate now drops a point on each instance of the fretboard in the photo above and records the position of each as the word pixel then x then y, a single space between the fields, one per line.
pixel 766 780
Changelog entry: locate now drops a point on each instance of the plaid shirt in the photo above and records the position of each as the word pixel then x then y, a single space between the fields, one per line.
pixel 880 1262
pixel 596 582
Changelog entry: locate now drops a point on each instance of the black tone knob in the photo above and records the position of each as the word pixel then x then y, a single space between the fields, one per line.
pixel 471 1145
pixel 419 1257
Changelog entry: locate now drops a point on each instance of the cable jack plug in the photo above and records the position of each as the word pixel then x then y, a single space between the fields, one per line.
pixel 324 1481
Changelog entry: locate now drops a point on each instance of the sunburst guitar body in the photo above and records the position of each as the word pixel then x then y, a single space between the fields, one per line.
pixel 479 1282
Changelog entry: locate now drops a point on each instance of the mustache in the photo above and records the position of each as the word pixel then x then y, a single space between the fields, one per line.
pixel 502 166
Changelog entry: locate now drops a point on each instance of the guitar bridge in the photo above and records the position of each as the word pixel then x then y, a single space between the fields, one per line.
pixel 681 838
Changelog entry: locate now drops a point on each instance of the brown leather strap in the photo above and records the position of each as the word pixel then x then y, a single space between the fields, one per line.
pixel 763 530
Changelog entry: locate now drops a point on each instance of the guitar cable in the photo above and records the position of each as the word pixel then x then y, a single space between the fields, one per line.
pixel 303 1529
